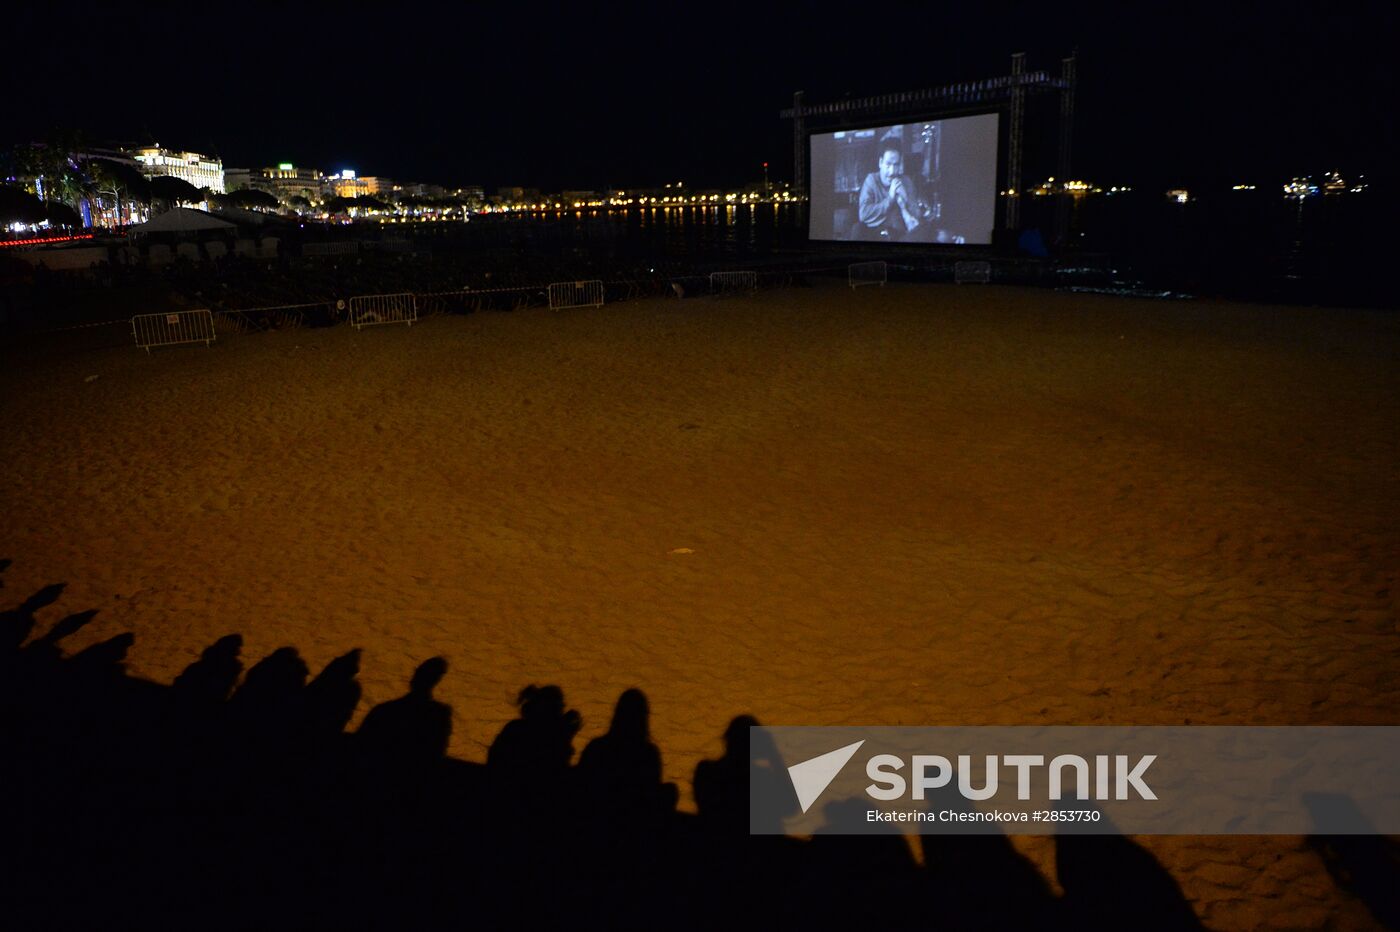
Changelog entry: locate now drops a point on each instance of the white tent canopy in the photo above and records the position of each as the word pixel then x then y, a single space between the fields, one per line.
pixel 182 220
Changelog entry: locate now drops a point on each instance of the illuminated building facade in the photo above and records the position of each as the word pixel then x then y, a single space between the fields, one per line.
pixel 348 184
pixel 199 170
pixel 287 181
pixel 283 182
pixel 345 184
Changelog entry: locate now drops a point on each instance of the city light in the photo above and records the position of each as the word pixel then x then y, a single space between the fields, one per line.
pixel 1300 188
pixel 39 241
pixel 302 191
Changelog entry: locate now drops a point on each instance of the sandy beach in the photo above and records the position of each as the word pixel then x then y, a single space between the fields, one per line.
pixel 922 504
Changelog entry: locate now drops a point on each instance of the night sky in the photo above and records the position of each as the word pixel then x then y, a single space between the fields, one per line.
pixel 577 98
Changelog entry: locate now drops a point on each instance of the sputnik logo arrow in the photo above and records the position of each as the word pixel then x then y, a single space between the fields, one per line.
pixel 811 777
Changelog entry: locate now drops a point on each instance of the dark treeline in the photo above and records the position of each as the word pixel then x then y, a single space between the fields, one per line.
pixel 234 798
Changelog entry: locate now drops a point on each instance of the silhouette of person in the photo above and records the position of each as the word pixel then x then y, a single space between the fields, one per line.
pixel 415 728
pixel 16 624
pixel 980 867
pixel 212 677
pixel 873 858
pixel 271 694
pixel 44 650
pixel 748 788
pixel 332 696
pixel 541 741
pixel 1110 881
pixel 620 771
pixel 105 658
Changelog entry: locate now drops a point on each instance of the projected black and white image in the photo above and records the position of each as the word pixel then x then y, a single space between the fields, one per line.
pixel 931 182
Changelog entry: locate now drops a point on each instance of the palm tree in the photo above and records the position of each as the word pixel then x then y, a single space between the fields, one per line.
pixel 54 162
pixel 59 178
pixel 121 181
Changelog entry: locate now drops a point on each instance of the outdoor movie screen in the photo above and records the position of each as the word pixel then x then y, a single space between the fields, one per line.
pixel 933 182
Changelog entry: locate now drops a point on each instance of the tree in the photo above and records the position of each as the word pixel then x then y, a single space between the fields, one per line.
pixel 340 205
pixel 253 199
pixel 120 181
pixel 19 206
pixel 53 166
pixel 61 215
pixel 297 202
pixel 174 191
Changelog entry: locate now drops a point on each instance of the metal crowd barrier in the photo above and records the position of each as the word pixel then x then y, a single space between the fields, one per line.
pixel 150 330
pixel 867 273
pixel 722 283
pixel 972 273
pixel 434 303
pixel 367 310
pixel 273 317
pixel 330 249
pixel 575 294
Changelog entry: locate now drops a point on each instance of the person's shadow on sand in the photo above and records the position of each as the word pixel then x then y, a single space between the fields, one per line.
pixel 619 773
pixel 270 691
pixel 538 746
pixel 746 790
pixel 105 794
pixel 332 696
pixel 44 651
pixel 995 884
pixel 18 623
pixel 414 728
pixel 211 678
pixel 1110 882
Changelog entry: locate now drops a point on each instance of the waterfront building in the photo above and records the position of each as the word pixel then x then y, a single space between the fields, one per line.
pixel 283 182
pixel 202 171
pixel 348 184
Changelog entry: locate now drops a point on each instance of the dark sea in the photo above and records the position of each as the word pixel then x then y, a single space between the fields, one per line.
pixel 1249 245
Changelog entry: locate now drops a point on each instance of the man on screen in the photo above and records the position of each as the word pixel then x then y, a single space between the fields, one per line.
pixel 889 205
